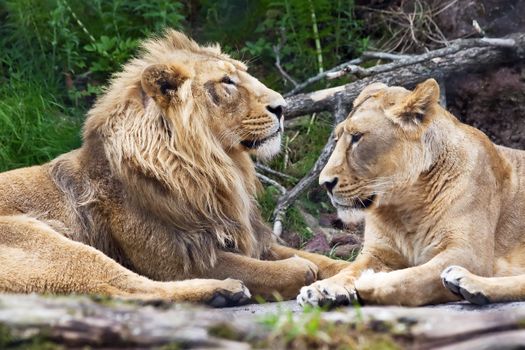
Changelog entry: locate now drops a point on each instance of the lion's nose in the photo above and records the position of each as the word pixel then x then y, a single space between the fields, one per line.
pixel 329 183
pixel 277 110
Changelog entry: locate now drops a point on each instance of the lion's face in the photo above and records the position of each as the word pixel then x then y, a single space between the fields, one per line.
pixel 241 112
pixel 380 146
pixel 247 112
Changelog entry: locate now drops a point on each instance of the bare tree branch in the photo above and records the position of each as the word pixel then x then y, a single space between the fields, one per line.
pixel 461 55
pixel 267 169
pixel 383 56
pixel 266 180
pixel 367 55
pixel 290 196
pixel 277 52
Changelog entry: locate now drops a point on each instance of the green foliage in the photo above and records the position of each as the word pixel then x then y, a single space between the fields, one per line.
pixel 34 126
pixel 56 55
pixel 302 144
pixel 295 223
pixel 86 36
pixel 294 220
pixel 295 28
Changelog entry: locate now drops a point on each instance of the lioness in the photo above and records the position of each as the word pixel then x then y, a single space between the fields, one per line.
pixel 163 189
pixel 439 199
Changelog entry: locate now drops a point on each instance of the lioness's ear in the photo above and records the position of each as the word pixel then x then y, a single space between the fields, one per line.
pixel 416 105
pixel 161 81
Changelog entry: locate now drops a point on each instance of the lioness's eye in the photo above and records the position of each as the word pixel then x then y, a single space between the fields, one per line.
pixel 356 137
pixel 227 80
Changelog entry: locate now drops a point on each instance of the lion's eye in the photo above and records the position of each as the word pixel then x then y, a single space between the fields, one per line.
pixel 227 80
pixel 356 137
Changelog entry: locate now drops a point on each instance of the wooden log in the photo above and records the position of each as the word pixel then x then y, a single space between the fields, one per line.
pixel 80 321
pixel 460 56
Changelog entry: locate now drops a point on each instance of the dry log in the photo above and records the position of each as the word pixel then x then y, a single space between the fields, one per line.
pixel 367 55
pixel 290 196
pixel 29 321
pixel 460 56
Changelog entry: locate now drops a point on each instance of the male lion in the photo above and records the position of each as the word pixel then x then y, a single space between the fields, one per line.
pixel 162 190
pixel 436 193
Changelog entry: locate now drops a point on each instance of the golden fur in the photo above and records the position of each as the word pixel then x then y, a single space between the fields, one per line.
pixel 162 189
pixel 435 193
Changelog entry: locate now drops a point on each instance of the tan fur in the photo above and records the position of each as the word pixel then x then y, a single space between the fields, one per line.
pixel 162 189
pixel 437 193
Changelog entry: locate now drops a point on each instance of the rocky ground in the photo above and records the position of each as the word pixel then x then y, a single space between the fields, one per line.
pixel 78 322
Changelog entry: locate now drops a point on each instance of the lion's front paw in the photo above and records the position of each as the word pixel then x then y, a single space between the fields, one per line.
pixel 459 281
pixel 229 292
pixel 326 293
pixel 297 272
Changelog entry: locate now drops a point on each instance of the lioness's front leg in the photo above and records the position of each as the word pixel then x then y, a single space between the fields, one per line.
pixel 327 267
pixel 412 286
pixel 339 289
pixel 263 277
pixel 483 290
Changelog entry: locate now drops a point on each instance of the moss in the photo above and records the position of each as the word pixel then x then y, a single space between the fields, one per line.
pixel 310 331
pixel 5 336
pixel 171 346
pixel 224 331
pixel 38 342
pixel 295 223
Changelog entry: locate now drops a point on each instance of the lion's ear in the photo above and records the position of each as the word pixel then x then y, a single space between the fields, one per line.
pixel 415 106
pixel 161 82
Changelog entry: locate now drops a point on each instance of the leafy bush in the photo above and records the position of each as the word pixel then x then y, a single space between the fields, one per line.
pixel 34 125
pixel 308 36
pixel 54 54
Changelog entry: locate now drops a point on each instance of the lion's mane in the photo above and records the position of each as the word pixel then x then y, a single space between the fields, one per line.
pixel 169 166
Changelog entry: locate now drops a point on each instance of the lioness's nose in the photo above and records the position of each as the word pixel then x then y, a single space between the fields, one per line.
pixel 329 183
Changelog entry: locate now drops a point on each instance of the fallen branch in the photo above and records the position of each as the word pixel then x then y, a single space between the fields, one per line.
pixel 290 196
pixel 267 169
pixel 78 322
pixel 366 56
pixel 460 55
pixel 266 180
pixel 285 75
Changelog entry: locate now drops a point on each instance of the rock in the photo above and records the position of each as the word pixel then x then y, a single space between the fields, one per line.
pixel 342 238
pixel 346 251
pixel 328 219
pixel 291 239
pixel 318 244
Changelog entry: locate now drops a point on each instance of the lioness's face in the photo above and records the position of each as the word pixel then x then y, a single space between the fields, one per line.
pixel 380 145
pixel 240 111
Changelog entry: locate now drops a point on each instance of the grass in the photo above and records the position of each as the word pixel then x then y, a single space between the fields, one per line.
pixel 302 145
pixel 34 125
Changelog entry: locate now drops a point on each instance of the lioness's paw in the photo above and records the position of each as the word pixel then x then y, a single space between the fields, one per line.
pixel 231 293
pixel 459 281
pixel 326 293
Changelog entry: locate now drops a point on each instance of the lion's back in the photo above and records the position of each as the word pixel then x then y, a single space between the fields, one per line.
pixel 30 191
